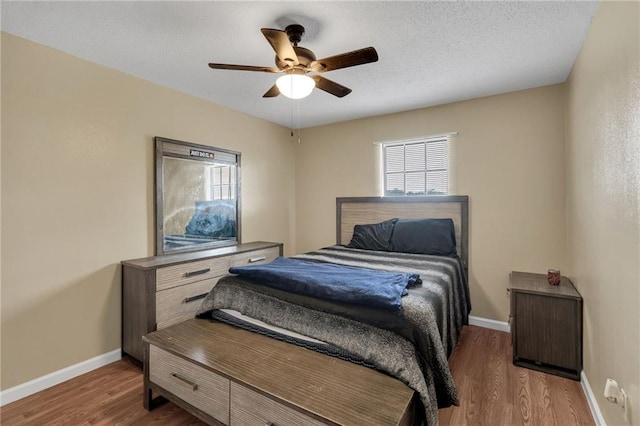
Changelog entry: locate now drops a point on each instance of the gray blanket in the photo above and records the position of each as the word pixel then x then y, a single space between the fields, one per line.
pixel 412 346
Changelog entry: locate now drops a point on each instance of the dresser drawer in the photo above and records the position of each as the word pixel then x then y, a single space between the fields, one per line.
pixel 255 257
pixel 250 408
pixel 201 388
pixel 177 304
pixel 185 273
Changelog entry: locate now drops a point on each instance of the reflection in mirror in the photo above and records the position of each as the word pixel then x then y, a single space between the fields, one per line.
pixel 197 194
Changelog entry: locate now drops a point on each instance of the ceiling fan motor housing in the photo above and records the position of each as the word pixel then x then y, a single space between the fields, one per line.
pixel 305 57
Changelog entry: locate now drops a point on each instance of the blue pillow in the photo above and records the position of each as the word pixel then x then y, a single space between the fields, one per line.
pixel 424 236
pixel 376 236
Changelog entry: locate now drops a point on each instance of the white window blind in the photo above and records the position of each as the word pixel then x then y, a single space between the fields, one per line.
pixel 416 167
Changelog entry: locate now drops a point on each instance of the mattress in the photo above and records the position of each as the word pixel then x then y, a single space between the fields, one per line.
pixel 235 317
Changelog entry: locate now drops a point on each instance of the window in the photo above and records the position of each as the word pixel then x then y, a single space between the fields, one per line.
pixel 221 183
pixel 416 167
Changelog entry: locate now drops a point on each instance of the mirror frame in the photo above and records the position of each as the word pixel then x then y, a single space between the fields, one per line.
pixel 161 151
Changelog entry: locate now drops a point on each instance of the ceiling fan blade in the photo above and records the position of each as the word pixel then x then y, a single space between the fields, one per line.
pixel 279 40
pixel 344 60
pixel 272 93
pixel 331 86
pixel 242 68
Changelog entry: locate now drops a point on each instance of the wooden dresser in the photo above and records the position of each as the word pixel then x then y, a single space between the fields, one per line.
pixel 546 324
pixel 163 290
pixel 226 375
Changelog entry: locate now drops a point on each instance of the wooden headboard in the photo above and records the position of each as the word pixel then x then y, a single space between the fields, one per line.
pixel 352 211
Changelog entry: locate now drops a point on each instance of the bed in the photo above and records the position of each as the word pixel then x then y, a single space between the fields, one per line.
pixel 411 341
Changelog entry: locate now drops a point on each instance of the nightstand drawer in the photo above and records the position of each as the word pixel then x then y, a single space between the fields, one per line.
pixel 255 257
pixel 185 273
pixel 181 303
pixel 193 384
pixel 250 408
pixel 548 338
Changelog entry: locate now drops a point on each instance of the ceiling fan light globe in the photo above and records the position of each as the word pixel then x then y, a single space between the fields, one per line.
pixel 295 86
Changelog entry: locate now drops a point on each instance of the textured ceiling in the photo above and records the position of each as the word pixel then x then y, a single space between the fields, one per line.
pixel 430 52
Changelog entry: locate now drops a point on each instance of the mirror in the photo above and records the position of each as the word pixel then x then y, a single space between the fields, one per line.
pixel 197 196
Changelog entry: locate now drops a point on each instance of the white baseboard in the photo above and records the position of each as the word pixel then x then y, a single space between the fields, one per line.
pixel 591 400
pixel 489 323
pixel 41 383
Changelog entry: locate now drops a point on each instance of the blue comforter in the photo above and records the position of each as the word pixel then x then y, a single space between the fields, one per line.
pixel 332 282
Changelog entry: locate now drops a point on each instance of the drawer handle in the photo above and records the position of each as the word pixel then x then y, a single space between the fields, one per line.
pixel 188 382
pixel 193 298
pixel 194 273
pixel 257 259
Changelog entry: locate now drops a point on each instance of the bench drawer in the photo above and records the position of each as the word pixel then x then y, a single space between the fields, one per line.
pixel 250 408
pixel 193 384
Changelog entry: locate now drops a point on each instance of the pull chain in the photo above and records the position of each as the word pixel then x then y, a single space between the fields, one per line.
pixel 298 123
pixel 291 127
pixel 291 110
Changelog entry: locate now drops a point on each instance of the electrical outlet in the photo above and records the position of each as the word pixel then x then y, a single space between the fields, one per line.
pixel 625 406
pixel 616 395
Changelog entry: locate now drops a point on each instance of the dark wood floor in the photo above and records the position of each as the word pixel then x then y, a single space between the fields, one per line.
pixel 492 391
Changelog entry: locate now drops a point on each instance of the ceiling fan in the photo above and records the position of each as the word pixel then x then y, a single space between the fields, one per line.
pixel 296 62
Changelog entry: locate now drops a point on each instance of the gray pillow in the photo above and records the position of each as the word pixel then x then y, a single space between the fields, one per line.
pixel 424 236
pixel 376 236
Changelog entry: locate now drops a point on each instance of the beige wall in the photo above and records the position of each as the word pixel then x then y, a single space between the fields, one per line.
pixel 603 193
pixel 0 219
pixel 77 196
pixel 509 157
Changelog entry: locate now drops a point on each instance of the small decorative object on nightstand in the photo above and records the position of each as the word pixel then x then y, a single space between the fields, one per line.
pixel 546 324
pixel 553 276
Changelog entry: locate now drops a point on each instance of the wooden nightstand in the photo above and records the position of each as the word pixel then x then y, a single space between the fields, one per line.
pixel 546 324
